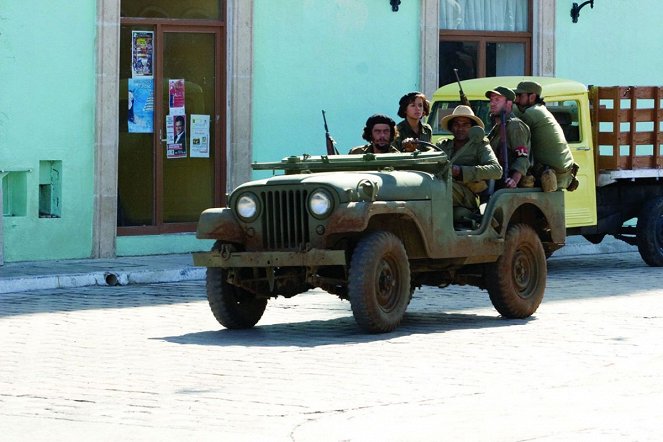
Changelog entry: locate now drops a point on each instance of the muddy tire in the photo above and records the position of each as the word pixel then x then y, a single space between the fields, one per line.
pixel 517 280
pixel 650 232
pixel 232 306
pixel 379 282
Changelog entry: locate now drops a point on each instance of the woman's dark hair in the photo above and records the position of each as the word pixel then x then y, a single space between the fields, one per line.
pixel 406 99
pixel 379 119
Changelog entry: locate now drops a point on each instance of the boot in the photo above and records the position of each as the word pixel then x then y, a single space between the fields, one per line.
pixel 548 180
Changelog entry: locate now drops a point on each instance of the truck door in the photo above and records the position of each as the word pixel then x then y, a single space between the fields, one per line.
pixel 573 116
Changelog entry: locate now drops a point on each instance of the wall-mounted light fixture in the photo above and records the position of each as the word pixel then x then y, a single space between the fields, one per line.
pixel 575 9
pixel 394 4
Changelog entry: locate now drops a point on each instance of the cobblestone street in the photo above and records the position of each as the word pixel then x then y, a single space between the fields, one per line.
pixel 150 362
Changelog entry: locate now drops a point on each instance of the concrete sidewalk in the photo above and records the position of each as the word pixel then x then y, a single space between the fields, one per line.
pixel 38 275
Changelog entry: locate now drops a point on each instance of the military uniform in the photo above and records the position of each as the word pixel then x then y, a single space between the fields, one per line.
pixel 478 164
pixel 517 141
pixel 549 147
pixel 368 148
pixel 405 131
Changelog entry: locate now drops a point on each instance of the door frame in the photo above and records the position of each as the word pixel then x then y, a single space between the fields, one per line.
pixel 162 27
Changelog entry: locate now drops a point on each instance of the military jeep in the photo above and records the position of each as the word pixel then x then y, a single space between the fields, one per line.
pixel 371 229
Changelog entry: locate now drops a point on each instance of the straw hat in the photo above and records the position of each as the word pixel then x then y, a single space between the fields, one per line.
pixel 461 111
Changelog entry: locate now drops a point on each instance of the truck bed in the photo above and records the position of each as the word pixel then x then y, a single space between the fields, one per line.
pixel 627 128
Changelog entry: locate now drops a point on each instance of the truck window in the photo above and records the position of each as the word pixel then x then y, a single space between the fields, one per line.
pixel 566 114
pixel 441 109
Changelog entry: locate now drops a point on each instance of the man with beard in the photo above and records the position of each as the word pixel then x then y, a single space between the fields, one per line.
pixel 380 132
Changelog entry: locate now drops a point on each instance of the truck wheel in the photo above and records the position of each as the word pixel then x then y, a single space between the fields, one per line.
pixel 233 307
pixel 650 232
pixel 517 280
pixel 379 282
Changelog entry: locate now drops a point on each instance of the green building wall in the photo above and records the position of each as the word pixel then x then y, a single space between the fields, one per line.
pixel 350 58
pixel 615 43
pixel 47 66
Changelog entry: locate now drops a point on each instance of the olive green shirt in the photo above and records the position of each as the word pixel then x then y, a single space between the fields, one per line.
pixel 405 131
pixel 368 148
pixel 549 147
pixel 476 159
pixel 517 142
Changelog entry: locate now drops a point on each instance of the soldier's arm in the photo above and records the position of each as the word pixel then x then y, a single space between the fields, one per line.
pixel 487 168
pixel 519 143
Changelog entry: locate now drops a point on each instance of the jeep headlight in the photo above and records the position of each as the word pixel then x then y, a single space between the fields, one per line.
pixel 320 203
pixel 247 206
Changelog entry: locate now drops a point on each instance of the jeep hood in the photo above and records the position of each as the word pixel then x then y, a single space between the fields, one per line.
pixel 392 185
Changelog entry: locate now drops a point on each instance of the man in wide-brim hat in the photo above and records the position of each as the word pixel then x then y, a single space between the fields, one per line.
pixel 473 160
pixel 464 112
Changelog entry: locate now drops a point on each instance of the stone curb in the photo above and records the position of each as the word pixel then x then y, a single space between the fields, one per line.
pixel 48 282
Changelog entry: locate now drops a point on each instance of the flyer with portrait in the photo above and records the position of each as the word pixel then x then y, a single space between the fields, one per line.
pixel 199 138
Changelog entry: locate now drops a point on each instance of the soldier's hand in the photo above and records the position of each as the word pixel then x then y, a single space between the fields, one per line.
pixel 513 180
pixel 409 145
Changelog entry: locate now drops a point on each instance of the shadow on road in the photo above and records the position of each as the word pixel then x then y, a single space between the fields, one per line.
pixel 100 297
pixel 340 331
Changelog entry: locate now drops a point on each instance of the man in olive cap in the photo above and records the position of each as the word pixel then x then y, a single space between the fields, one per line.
pixel 473 161
pixel 380 131
pixel 509 137
pixel 551 156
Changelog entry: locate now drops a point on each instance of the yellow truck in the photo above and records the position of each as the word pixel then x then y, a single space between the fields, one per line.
pixel 616 137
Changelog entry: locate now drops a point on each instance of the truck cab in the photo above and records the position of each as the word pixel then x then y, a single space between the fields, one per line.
pixel 615 136
pixel 568 102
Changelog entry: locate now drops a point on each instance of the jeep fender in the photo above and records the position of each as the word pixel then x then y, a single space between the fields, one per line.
pixel 220 224
pixel 532 207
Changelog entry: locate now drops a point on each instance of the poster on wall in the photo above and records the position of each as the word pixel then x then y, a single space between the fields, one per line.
pixel 199 139
pixel 176 97
pixel 140 114
pixel 175 151
pixel 142 53
pixel 175 136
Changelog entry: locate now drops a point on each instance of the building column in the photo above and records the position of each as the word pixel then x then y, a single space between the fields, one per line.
pixel 240 73
pixel 543 38
pixel 430 46
pixel 104 229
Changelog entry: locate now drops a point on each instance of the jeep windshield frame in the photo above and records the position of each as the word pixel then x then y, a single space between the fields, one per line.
pixel 433 162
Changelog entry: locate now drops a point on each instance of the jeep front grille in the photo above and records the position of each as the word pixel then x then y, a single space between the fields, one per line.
pixel 285 219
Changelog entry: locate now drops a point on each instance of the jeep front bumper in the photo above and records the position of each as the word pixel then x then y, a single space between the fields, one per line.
pixel 310 258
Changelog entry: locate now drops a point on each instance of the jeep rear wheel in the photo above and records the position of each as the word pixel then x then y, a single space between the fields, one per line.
pixel 517 280
pixel 232 306
pixel 379 282
pixel 650 232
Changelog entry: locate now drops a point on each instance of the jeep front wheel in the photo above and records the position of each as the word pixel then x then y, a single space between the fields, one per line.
pixel 232 306
pixel 379 282
pixel 517 280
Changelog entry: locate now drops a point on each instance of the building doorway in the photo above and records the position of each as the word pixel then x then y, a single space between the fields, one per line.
pixel 172 155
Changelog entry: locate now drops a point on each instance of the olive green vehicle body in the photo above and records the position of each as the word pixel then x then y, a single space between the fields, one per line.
pixel 285 249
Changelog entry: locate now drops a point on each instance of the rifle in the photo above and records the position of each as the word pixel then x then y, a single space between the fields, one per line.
pixel 503 146
pixel 331 144
pixel 463 97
